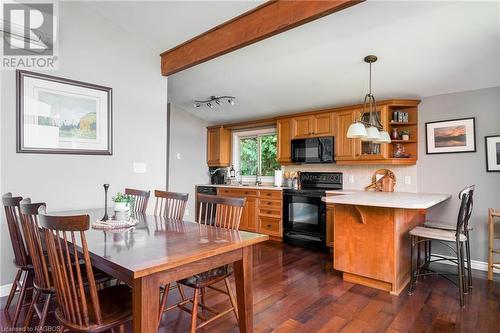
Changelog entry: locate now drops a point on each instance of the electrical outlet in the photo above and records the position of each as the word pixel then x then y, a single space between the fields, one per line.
pixel 178 156
pixel 408 180
pixel 351 179
pixel 139 167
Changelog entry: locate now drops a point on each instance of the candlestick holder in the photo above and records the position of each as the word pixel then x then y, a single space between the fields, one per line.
pixel 105 217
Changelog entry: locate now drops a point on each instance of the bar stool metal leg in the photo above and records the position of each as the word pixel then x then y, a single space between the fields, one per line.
pixel 469 264
pixel 412 271
pixel 459 271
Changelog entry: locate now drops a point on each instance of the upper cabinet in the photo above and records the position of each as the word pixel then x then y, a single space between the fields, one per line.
pixel 284 130
pixel 218 146
pixel 312 125
pixel 345 149
pixel 333 122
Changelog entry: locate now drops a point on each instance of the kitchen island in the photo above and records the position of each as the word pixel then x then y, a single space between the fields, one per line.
pixel 371 244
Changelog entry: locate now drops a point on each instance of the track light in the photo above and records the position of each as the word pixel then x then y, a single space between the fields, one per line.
pixel 218 100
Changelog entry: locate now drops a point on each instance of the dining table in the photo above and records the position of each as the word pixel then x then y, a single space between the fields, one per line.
pixel 157 251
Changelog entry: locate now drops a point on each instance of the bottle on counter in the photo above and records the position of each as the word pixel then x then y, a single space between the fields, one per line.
pixel 232 173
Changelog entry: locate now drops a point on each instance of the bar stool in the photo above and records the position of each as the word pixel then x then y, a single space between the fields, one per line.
pixel 492 215
pixel 459 237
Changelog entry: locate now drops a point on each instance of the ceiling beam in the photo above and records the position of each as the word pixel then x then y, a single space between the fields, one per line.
pixel 269 19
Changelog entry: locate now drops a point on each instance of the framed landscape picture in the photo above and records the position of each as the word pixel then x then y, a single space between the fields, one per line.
pixel 493 153
pixel 61 116
pixel 450 136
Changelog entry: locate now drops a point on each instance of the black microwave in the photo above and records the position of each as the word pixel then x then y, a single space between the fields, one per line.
pixel 313 150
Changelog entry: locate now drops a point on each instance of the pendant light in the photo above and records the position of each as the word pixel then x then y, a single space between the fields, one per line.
pixel 371 130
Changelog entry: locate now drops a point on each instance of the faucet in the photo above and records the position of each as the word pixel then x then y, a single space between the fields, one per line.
pixel 258 180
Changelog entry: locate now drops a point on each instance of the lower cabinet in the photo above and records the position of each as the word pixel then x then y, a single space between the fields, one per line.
pixel 262 212
pixel 271 226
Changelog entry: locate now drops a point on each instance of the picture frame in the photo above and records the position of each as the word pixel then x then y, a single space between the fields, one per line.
pixel 61 116
pixel 451 136
pixel 492 144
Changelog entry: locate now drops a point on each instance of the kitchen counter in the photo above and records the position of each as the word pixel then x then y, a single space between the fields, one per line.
pixel 251 187
pixel 385 199
pixel 371 242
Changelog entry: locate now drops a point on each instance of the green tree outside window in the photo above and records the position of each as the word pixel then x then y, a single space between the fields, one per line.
pixel 251 162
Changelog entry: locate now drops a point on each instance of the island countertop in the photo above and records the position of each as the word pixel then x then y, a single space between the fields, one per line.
pixel 385 199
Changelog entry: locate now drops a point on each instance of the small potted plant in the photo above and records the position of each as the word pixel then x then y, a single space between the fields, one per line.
pixel 123 206
pixel 405 135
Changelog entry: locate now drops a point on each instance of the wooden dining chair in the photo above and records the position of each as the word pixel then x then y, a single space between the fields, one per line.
pixel 227 215
pixel 141 199
pixel 24 276
pixel 170 205
pixel 42 284
pixel 81 307
pixel 43 288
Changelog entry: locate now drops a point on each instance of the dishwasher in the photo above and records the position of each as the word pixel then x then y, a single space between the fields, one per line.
pixel 206 190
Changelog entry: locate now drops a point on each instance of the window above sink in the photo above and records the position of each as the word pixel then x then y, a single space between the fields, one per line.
pixel 254 153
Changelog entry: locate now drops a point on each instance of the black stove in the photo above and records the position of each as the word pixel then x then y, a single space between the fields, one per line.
pixel 304 214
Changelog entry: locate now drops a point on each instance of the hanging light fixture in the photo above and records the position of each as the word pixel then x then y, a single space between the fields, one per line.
pixel 214 101
pixel 371 130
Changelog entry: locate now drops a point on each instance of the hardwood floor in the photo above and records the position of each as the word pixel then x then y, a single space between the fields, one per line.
pixel 295 290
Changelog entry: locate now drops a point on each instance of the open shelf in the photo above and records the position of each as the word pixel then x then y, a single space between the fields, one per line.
pixel 402 124
pixel 403 141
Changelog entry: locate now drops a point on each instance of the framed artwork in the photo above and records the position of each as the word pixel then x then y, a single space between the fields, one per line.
pixel 450 136
pixel 492 153
pixel 61 116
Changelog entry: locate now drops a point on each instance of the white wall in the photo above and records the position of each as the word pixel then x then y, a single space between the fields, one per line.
pixel 188 138
pixel 449 173
pixel 95 51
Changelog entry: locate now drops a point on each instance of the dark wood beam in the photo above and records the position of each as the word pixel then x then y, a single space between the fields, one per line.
pixel 269 19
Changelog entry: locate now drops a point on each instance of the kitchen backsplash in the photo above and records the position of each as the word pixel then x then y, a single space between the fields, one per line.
pixel 359 176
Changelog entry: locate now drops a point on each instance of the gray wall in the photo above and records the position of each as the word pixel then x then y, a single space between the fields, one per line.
pixel 188 138
pixel 103 54
pixel 449 173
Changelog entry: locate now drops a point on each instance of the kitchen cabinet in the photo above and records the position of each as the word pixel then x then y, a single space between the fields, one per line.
pixel 218 146
pixel 262 212
pixel 284 130
pixel 331 122
pixel 248 220
pixel 345 149
pixel 312 125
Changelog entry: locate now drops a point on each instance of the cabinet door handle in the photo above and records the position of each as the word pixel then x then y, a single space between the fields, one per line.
pixel 268 194
pixel 269 226
pixel 269 212
pixel 269 203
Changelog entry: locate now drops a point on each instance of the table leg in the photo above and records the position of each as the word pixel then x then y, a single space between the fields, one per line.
pixel 243 280
pixel 145 307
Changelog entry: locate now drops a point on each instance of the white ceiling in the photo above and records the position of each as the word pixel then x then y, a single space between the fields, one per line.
pixel 162 25
pixel 424 48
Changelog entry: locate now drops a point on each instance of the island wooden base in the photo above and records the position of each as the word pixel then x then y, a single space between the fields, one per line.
pixel 372 244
